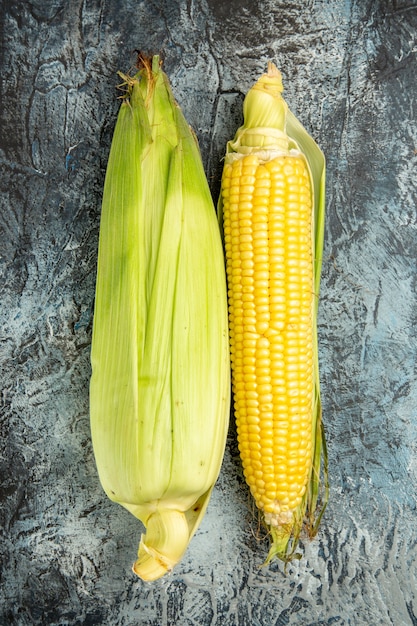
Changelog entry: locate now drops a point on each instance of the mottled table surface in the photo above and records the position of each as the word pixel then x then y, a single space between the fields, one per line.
pixel 350 75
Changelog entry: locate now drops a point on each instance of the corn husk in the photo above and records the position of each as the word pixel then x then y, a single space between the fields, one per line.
pixel 160 385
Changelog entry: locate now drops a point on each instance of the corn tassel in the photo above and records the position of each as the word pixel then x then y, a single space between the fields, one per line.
pixel 160 385
pixel 272 208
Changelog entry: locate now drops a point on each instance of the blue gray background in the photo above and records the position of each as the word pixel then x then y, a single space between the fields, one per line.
pixel 349 71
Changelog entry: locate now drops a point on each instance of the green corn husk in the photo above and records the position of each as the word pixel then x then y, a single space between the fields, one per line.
pixel 270 129
pixel 160 385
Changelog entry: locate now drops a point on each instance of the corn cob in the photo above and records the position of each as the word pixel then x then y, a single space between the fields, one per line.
pixel 272 208
pixel 160 385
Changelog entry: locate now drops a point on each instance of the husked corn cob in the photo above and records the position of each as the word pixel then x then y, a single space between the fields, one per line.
pixel 273 230
pixel 270 271
pixel 160 385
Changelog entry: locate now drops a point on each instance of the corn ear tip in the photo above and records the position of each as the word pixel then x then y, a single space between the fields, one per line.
pixel 145 61
pixel 273 71
pixel 284 540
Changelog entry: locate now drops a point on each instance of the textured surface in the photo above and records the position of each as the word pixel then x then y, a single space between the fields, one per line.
pixel 349 71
